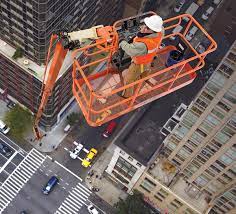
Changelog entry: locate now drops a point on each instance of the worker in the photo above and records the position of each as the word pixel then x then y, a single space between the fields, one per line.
pixel 142 51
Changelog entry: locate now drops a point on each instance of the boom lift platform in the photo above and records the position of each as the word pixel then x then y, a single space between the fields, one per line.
pixel 97 92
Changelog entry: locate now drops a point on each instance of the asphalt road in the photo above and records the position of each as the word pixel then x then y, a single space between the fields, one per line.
pixel 68 194
pixel 8 164
pixel 90 137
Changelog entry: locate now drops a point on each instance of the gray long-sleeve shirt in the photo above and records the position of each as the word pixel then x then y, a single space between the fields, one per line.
pixel 137 48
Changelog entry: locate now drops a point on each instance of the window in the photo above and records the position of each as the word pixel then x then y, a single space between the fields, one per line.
pixel 223 106
pixel 218 114
pixel 202 180
pixel 162 191
pixel 138 164
pixel 130 158
pixel 225 70
pixel 225 159
pixel 148 185
pixel 230 97
pixel 212 120
pixel 222 137
pixel 181 131
pixel 125 168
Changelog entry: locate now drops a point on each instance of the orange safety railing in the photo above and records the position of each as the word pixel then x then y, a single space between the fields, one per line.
pixel 96 93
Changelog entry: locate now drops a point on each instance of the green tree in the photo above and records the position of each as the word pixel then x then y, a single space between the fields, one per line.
pixel 73 118
pixel 19 120
pixel 133 204
pixel 18 53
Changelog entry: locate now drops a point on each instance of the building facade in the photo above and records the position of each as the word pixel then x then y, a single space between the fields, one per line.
pixel 124 169
pixel 28 25
pixel 201 150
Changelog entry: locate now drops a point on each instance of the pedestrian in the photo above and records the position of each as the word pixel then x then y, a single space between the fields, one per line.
pixel 142 51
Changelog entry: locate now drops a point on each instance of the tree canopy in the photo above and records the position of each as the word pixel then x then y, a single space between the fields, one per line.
pixel 19 120
pixel 134 204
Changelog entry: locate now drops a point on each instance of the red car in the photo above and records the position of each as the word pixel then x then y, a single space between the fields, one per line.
pixel 109 130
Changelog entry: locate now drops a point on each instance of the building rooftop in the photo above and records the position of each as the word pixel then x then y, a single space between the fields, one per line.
pixel 31 67
pixel 143 139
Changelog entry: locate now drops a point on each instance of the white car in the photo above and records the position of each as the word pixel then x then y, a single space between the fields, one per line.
pixel 4 128
pixel 179 6
pixel 75 153
pixel 92 209
pixel 207 13
pixel 191 33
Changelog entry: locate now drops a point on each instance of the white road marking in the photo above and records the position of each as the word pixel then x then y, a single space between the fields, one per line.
pixel 3 156
pixel 19 177
pixel 8 161
pixel 66 169
pixel 75 200
pixel 85 150
pixel 19 148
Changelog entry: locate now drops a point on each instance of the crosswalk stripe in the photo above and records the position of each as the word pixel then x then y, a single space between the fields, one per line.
pixel 22 175
pixel 34 160
pixel 86 189
pixel 28 167
pixel 17 187
pixel 82 192
pixel 7 195
pixel 36 152
pixel 10 187
pixel 70 206
pixel 63 209
pixel 19 177
pixel 74 200
pixel 76 195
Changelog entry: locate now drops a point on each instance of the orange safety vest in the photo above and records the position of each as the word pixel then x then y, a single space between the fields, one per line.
pixel 152 45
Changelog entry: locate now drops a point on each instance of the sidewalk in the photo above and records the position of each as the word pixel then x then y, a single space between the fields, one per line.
pixel 107 191
pixel 53 138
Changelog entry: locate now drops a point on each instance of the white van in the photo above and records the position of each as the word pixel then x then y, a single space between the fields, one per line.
pixel 208 12
pixel 191 10
pixel 4 128
pixel 177 29
pixel 191 33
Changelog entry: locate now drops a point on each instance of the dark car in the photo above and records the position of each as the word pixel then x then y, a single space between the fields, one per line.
pixel 5 150
pixel 50 185
pixel 109 130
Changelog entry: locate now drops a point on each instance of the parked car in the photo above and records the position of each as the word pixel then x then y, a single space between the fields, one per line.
pixel 5 150
pixel 110 129
pixel 4 128
pixel 92 209
pixel 191 33
pixel 179 5
pixel 75 153
pixel 90 156
pixel 207 13
pixel 50 185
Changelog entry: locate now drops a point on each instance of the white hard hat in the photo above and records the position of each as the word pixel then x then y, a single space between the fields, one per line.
pixel 154 22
